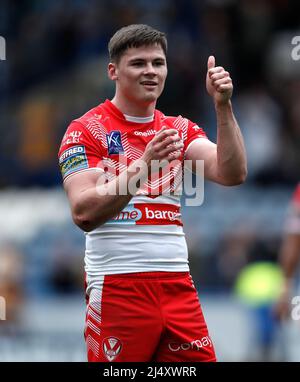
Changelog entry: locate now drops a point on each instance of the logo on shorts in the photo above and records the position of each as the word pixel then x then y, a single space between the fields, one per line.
pixel 111 347
pixel 193 345
pixel 114 143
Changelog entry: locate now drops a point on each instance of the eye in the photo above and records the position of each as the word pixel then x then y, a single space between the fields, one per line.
pixel 159 63
pixel 137 63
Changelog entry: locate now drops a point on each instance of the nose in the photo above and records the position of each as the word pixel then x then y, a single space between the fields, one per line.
pixel 150 70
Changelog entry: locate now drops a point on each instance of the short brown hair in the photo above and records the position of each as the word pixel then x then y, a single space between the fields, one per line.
pixel 134 36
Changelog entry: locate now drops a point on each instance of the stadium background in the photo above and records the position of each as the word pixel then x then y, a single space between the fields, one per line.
pixel 55 69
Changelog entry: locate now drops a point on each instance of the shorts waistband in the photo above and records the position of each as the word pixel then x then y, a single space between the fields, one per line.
pixel 148 275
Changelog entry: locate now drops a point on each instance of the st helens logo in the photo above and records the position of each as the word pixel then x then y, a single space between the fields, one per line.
pixel 111 347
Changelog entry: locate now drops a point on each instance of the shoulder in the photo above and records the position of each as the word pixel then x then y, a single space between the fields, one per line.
pixel 90 115
pixel 187 128
pixel 85 130
pixel 97 116
pixel 178 122
pixel 169 118
pixel 90 125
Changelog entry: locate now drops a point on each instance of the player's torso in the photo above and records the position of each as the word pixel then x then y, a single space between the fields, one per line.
pixel 123 142
pixel 147 234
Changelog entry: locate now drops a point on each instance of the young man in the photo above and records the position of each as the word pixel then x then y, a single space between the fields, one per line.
pixel 141 302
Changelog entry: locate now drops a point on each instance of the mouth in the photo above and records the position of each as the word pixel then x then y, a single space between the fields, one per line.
pixel 149 84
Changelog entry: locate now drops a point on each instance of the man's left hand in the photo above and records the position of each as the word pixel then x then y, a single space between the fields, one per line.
pixel 218 82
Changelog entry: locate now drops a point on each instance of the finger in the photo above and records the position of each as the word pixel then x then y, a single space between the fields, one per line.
pixel 224 88
pixel 170 141
pixel 222 81
pixel 174 145
pixel 162 129
pixel 164 153
pixel 217 69
pixel 211 62
pixel 174 155
pixel 162 134
pixel 219 75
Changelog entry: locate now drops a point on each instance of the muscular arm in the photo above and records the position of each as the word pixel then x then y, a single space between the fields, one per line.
pixel 225 162
pixel 93 201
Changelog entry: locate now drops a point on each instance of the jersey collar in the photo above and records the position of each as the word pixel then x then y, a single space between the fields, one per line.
pixel 126 117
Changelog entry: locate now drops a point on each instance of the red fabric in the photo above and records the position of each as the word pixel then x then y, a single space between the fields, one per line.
pixel 296 196
pixel 150 214
pixel 90 132
pixel 150 316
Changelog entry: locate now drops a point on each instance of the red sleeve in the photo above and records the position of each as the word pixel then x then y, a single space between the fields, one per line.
pixel 79 150
pixel 193 132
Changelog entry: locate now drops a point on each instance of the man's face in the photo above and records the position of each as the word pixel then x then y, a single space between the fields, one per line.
pixel 140 74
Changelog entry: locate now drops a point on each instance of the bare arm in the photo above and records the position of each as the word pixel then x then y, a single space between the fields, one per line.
pixel 93 201
pixel 89 205
pixel 224 162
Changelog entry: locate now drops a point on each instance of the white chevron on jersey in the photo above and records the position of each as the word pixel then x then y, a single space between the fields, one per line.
pixel 130 151
pixel 181 123
pixel 97 129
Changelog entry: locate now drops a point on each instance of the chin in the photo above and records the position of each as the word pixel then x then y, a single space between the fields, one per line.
pixel 150 97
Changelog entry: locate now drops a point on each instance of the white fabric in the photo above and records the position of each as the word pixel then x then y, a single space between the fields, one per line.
pixel 116 248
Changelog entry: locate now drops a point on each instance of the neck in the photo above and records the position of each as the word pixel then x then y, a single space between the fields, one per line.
pixel 133 109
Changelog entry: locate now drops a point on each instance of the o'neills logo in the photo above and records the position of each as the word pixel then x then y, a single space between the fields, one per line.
pixel 145 133
pixel 112 347
pixel 193 345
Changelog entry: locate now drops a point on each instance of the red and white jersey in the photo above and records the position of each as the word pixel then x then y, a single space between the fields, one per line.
pixel 292 224
pixel 147 235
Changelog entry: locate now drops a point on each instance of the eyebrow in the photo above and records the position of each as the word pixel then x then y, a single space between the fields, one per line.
pixel 140 59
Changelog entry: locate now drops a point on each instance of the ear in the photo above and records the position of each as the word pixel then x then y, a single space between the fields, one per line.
pixel 112 71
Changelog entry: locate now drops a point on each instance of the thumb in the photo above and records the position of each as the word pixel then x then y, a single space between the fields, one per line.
pixel 211 62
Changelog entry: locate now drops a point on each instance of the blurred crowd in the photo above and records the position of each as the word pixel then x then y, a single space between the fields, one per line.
pixel 50 44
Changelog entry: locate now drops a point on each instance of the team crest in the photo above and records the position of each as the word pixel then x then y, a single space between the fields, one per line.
pixel 111 347
pixel 114 143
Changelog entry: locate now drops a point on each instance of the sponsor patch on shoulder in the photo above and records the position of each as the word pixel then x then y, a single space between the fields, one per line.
pixel 73 159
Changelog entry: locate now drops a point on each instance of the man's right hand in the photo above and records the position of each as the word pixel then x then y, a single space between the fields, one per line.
pixel 166 145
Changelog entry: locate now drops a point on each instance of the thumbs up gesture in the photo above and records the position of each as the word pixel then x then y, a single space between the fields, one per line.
pixel 218 82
